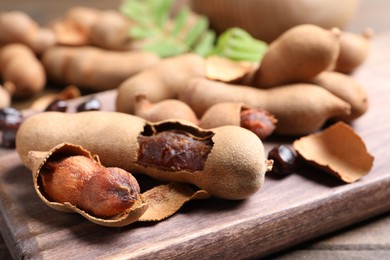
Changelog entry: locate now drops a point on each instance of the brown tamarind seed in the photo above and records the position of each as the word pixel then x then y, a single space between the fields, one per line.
pixel 92 104
pixel 285 160
pixel 9 115
pixel 58 105
pixel 10 120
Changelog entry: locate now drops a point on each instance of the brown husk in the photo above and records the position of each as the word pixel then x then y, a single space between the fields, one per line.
pixel 226 70
pixel 338 150
pixel 165 200
pixel 38 159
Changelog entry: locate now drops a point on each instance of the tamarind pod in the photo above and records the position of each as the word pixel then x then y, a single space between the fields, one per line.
pixel 93 68
pixel 21 71
pixel 163 110
pixel 354 49
pixel 228 162
pixel 297 55
pixel 74 27
pixel 162 81
pixel 18 27
pixel 257 120
pixel 346 88
pixel 69 178
pixel 111 31
pixel 299 108
pixel 90 26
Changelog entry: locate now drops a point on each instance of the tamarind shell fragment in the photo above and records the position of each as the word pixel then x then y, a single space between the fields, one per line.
pixel 337 150
pixel 233 169
pixel 38 160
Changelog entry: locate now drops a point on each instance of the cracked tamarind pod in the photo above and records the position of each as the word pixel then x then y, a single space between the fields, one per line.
pixel 257 120
pixel 68 178
pixel 299 108
pixel 228 162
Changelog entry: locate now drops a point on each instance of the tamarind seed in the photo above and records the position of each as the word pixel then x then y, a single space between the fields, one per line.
pixel 92 104
pixel 10 120
pixel 285 160
pixel 58 105
pixel 9 135
pixel 9 115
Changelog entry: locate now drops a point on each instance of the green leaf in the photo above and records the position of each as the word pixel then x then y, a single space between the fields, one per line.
pixel 199 27
pixel 180 21
pixel 151 22
pixel 162 12
pixel 237 44
pixel 165 48
pixel 140 33
pixel 206 44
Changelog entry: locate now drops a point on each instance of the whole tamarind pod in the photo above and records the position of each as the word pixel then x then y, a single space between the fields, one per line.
pixel 111 31
pixel 21 71
pixel 227 162
pixel 299 108
pixel 346 88
pixel 74 27
pixel 160 82
pixel 163 110
pixel 69 178
pixel 354 49
pixel 93 68
pixel 257 120
pixel 297 55
pixel 18 27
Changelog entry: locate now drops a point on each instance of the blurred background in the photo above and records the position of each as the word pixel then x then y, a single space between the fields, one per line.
pixel 44 11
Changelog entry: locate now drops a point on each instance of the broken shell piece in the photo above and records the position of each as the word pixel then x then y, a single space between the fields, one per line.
pixel 226 70
pixel 338 150
pixel 165 200
pixel 38 162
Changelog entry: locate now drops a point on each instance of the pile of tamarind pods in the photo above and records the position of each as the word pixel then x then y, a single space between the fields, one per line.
pixel 173 121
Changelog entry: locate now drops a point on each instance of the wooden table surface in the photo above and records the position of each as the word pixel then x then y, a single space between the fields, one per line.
pixel 366 240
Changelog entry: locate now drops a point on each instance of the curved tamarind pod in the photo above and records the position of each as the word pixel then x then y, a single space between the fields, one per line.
pixel 299 108
pixel 257 120
pixel 18 27
pixel 346 88
pixel 74 27
pixel 227 162
pixel 163 110
pixel 92 68
pixel 160 82
pixel 297 55
pixel 69 178
pixel 354 49
pixel 21 71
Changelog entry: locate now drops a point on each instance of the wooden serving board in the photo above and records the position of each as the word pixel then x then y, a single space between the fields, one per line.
pixel 283 213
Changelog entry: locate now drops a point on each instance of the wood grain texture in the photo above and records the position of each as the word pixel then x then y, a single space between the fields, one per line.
pixel 285 212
